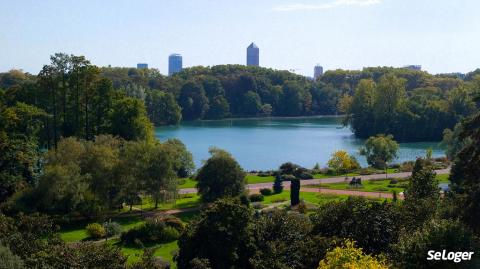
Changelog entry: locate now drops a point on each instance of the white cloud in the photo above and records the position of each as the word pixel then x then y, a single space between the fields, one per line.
pixel 329 5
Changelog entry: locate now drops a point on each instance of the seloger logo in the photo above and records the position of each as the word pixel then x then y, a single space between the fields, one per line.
pixel 449 256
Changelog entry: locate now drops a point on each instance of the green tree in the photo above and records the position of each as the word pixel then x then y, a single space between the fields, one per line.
pixel 220 176
pixel 162 108
pixel 380 150
pixel 464 174
pixel 453 142
pixel 374 226
pixel 193 101
pixel 291 100
pixel 182 158
pixel 278 184
pixel 160 176
pixel 412 248
pixel 9 260
pixel 129 120
pixel 19 164
pixel 252 103
pixel 61 189
pixel 221 235
pixel 278 245
pixel 421 195
pixel 360 109
pixel 423 183
pixel 219 108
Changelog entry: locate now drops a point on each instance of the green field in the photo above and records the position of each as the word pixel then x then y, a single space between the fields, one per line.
pixel 310 197
pixel 165 251
pixel 374 185
pixel 78 232
pixel 184 201
pixel 367 185
pixel 187 183
pixel 254 178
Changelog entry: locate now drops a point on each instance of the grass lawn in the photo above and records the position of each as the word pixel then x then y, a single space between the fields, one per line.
pixel 375 185
pixel 183 201
pixel 78 232
pixel 134 254
pixel 367 185
pixel 253 179
pixel 73 234
pixel 311 197
pixel 187 183
pixel 443 178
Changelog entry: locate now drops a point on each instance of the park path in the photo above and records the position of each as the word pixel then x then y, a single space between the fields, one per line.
pixel 369 194
pixel 286 184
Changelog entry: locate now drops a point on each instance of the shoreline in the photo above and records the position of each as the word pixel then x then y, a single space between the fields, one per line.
pixel 256 118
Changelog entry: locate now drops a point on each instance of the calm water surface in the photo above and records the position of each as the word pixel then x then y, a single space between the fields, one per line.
pixel 261 144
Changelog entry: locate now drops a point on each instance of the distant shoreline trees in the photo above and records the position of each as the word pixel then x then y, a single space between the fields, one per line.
pixel 79 97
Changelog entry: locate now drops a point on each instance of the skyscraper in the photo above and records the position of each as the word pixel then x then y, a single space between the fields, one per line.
pixel 142 66
pixel 317 71
pixel 253 55
pixel 174 63
pixel 414 67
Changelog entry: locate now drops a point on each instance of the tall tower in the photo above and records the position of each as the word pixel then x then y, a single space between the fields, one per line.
pixel 142 66
pixel 174 63
pixel 253 55
pixel 317 71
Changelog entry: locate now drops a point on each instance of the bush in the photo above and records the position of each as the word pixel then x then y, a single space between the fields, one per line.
pixel 441 159
pixel 393 181
pixel 9 260
pixel 169 234
pixel 264 174
pixel 256 197
pixel 266 191
pixel 95 230
pixel 394 166
pixel 366 171
pixel 170 221
pixel 288 177
pixel 407 166
pixel 302 207
pixel 371 224
pixel 411 249
pixel 112 228
pixel 278 184
pixel 161 229
pixel 305 175
pixel 349 256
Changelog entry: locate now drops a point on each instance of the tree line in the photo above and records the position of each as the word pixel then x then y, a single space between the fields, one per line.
pixel 88 178
pixel 420 114
pixel 83 100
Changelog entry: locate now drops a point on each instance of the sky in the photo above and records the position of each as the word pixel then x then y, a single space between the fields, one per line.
pixel 441 35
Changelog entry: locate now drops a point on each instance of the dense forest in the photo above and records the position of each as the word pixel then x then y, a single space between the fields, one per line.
pixel 73 95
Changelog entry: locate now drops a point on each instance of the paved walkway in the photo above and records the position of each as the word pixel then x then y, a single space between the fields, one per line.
pixel 286 184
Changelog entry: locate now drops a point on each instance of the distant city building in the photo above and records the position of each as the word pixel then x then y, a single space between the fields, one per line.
pixel 142 66
pixel 414 67
pixel 253 55
pixel 317 71
pixel 174 63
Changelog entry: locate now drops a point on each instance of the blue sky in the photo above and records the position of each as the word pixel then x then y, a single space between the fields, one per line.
pixel 441 35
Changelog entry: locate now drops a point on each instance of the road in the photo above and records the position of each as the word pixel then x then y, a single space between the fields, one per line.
pixel 286 184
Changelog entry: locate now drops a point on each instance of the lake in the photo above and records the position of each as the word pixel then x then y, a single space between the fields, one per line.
pixel 262 144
